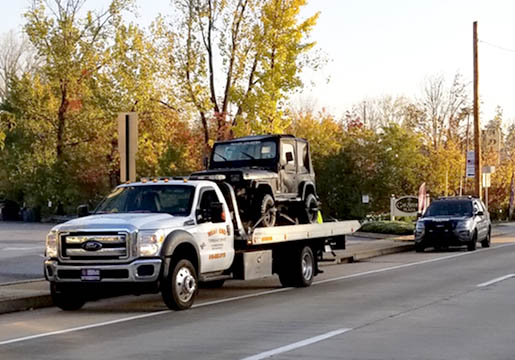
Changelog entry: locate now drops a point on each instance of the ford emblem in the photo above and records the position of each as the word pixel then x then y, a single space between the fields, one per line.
pixel 92 245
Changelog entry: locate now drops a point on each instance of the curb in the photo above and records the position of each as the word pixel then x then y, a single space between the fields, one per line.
pixel 368 254
pixel 25 303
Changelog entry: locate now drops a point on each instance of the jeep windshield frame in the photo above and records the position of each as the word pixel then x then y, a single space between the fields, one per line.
pixel 262 153
pixel 170 199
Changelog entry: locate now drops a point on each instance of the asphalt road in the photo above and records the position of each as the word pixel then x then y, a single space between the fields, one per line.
pixel 21 250
pixel 435 305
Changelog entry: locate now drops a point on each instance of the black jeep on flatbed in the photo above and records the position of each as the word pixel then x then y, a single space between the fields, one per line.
pixel 272 176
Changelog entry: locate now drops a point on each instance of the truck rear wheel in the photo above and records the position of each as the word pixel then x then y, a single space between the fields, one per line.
pixel 65 298
pixel 180 286
pixel 300 270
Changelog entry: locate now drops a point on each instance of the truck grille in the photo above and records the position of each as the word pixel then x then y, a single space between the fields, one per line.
pixel 95 246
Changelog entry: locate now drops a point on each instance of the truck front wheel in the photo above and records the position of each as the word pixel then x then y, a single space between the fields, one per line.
pixel 65 298
pixel 180 286
pixel 299 271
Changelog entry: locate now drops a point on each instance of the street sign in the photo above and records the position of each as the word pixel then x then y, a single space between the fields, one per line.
pixel 471 169
pixel 486 180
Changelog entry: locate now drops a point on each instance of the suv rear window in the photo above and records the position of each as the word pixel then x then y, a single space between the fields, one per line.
pixel 456 208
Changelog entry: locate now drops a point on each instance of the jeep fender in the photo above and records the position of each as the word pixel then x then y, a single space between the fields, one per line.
pixel 264 187
pixel 184 240
pixel 307 187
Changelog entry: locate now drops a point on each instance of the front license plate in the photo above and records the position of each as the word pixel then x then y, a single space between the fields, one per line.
pixel 90 274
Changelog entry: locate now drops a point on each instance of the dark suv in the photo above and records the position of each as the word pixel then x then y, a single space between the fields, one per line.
pixel 272 176
pixel 453 221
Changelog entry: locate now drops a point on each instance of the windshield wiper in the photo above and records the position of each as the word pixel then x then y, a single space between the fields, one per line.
pixel 250 156
pixel 223 157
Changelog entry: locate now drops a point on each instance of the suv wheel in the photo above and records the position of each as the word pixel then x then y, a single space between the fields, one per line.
pixel 472 244
pixel 486 242
pixel 310 209
pixel 267 211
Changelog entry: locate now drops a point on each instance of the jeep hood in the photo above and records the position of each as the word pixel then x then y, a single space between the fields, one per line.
pixel 122 221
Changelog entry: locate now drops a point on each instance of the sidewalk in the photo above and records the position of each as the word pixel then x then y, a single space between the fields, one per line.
pixel 360 246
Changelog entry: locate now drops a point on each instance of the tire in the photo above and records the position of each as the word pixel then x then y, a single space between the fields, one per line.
pixel 471 246
pixel 487 241
pixel 310 211
pixel 419 247
pixel 266 212
pixel 300 271
pixel 66 299
pixel 215 284
pixel 180 287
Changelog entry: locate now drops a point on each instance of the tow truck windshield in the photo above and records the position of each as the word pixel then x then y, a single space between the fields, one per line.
pixel 171 199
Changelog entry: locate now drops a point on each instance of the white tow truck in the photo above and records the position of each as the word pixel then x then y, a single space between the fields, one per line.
pixel 167 235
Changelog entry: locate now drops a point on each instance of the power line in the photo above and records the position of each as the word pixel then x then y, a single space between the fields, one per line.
pixel 497 46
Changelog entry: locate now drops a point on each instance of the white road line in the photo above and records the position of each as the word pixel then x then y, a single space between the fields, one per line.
pixel 236 298
pixel 407 265
pixel 23 248
pixel 499 279
pixel 91 326
pixel 297 345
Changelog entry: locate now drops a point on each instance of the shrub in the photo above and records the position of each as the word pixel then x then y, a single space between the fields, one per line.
pixel 389 227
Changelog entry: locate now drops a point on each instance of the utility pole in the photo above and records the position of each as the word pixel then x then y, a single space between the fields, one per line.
pixel 477 144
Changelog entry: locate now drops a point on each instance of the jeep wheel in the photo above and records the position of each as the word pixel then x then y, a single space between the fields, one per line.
pixel 267 211
pixel 66 299
pixel 310 209
pixel 180 286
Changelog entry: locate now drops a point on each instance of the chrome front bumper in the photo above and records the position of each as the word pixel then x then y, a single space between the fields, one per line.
pixel 144 270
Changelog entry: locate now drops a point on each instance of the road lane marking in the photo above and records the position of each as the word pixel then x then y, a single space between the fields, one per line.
pixel 407 265
pixel 23 248
pixel 494 281
pixel 236 298
pixel 297 345
pixel 85 327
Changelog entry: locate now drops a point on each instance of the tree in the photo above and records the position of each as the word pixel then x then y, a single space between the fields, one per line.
pixel 238 60
pixel 17 57
pixel 444 108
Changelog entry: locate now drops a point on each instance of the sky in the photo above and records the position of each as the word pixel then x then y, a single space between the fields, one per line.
pixel 382 48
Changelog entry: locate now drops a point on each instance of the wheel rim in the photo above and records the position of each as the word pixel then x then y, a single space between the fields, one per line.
pixel 269 214
pixel 185 284
pixel 311 209
pixel 307 266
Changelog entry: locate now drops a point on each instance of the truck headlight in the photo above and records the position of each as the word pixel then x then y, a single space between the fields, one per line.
pixel 150 242
pixel 51 244
pixel 420 226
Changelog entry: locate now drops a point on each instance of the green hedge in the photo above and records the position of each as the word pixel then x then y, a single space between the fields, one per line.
pixel 389 227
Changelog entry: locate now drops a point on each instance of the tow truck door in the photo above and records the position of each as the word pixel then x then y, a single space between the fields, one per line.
pixel 215 236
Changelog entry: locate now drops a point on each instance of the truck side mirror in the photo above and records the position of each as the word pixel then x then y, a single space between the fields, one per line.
pixel 82 210
pixel 289 157
pixel 205 161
